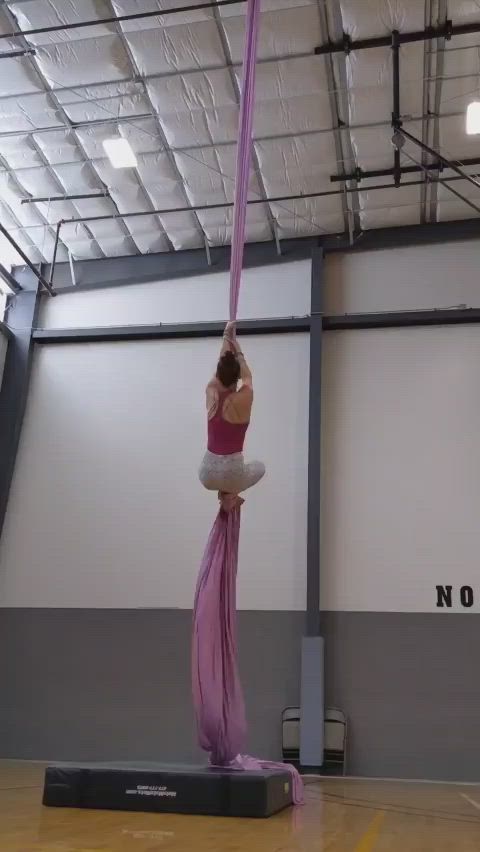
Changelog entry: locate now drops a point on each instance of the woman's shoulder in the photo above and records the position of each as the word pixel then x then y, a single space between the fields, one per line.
pixel 241 398
pixel 245 391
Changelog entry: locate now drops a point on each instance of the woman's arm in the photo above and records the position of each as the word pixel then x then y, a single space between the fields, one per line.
pixel 229 341
pixel 212 394
pixel 239 405
pixel 227 345
pixel 245 372
pixel 212 398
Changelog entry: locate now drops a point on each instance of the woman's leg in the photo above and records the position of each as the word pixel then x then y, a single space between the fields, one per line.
pixel 229 475
pixel 252 473
pixel 249 475
pixel 243 477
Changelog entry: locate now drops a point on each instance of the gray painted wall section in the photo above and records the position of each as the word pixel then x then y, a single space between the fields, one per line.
pixel 105 684
pixel 115 684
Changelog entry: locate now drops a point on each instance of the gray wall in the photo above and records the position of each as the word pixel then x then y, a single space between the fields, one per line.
pixel 3 346
pixel 115 684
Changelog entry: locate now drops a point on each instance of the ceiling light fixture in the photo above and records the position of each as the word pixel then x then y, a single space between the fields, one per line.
pixel 473 118
pixel 119 152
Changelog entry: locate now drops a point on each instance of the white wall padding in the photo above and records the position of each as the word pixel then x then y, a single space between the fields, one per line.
pixel 403 279
pixel 401 465
pixel 106 509
pixel 281 290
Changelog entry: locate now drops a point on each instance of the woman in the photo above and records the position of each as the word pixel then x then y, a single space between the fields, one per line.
pixel 229 408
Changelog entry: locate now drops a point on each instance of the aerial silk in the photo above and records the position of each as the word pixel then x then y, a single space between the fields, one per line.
pixel 217 691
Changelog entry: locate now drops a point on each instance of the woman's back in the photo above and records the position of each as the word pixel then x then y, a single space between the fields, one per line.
pixel 223 468
pixel 228 420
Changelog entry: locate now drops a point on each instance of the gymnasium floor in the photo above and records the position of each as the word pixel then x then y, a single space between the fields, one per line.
pixel 339 816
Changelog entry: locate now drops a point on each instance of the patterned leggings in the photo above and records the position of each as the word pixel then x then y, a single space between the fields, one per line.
pixel 229 473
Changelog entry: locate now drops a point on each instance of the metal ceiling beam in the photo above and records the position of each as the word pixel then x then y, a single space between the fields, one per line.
pixel 159 13
pixel 11 282
pixel 446 30
pixel 396 101
pixel 402 319
pixel 131 119
pixel 286 325
pixel 450 164
pixel 459 195
pixel 66 197
pixel 444 183
pixel 14 54
pixel 339 109
pixel 432 124
pixel 428 58
pixel 346 45
pixel 38 275
pixel 167 331
pixel 222 205
pixel 363 174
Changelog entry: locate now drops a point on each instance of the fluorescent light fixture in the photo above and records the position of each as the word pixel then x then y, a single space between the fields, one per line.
pixel 473 118
pixel 120 153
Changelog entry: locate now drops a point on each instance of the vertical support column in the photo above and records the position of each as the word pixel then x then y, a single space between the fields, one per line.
pixel 312 675
pixel 21 319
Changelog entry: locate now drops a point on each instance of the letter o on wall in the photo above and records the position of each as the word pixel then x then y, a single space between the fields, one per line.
pixel 466 596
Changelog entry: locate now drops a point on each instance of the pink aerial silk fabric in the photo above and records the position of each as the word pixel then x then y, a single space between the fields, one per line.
pixel 217 691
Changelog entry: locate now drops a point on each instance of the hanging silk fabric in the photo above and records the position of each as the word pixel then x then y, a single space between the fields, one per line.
pixel 217 691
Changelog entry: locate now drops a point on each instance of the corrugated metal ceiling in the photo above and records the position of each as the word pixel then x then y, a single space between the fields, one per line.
pixel 170 84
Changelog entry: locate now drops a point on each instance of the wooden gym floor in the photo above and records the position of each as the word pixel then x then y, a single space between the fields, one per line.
pixel 339 816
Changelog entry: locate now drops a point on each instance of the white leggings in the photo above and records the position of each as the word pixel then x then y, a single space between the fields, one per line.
pixel 229 473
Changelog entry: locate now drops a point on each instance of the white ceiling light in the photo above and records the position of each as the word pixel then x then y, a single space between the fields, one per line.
pixel 473 118
pixel 119 152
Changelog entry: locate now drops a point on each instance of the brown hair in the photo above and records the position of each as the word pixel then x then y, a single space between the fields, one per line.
pixel 228 369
